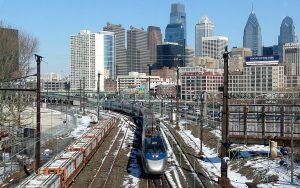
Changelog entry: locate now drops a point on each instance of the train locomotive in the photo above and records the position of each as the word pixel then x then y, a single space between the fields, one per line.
pixel 153 149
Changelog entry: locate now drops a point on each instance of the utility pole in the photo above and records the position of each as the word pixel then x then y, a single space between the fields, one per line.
pixel 292 148
pixel 224 180
pixel 68 101
pixel 171 116
pixel 38 113
pixel 98 92
pixel 177 100
pixel 203 97
pixel 119 88
pixel 149 81
pixel 83 96
pixel 69 87
pixel 161 107
pixel 80 85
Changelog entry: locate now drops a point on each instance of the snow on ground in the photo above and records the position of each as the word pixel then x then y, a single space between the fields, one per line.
pixel 212 162
pixel 82 125
pixel 175 164
pixel 8 168
pixel 134 169
pixel 272 166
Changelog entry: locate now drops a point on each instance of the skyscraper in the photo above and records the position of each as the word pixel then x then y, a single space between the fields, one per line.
pixel 176 29
pixel 175 33
pixel 291 58
pixel 108 54
pixel 178 16
pixel 154 39
pixel 287 31
pixel 119 31
pixel 138 56
pixel 252 35
pixel 169 55
pixel 205 28
pixel 214 46
pixel 287 34
pixel 86 60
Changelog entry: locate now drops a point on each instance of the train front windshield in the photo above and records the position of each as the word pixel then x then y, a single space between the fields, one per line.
pixel 154 145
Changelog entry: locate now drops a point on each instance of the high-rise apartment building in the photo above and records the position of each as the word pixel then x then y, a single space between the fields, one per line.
pixel 214 46
pixel 205 28
pixel 9 52
pixel 120 50
pixel 87 60
pixel 138 55
pixel 287 34
pixel 291 58
pixel 154 39
pixel 252 35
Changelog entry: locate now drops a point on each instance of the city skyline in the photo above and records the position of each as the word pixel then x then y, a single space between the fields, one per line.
pixel 54 22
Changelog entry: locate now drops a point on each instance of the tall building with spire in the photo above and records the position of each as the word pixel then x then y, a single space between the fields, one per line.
pixel 287 34
pixel 120 50
pixel 205 28
pixel 252 35
pixel 287 31
pixel 154 39
pixel 176 30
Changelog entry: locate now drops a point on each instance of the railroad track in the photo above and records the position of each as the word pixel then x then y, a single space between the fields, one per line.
pixel 194 173
pixel 191 140
pixel 158 182
pixel 104 171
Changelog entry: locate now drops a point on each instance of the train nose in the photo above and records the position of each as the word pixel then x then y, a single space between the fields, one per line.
pixel 155 166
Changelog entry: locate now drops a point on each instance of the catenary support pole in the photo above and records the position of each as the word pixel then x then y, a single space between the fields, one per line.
pixel 38 113
pixel 224 180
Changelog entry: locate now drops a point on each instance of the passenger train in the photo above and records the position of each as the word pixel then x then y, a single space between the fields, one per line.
pixel 153 151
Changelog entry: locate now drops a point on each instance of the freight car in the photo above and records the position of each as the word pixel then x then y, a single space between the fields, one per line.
pixel 61 170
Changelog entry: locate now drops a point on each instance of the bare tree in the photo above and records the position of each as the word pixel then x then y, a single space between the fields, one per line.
pixel 17 50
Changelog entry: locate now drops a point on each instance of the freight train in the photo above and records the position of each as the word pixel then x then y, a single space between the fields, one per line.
pixel 153 150
pixel 61 170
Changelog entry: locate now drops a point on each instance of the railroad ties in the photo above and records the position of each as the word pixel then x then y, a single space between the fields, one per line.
pixel 104 171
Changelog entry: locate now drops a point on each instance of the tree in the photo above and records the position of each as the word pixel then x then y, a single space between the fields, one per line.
pixel 17 50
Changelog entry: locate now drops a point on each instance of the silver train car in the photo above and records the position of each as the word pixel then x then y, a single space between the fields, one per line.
pixel 153 151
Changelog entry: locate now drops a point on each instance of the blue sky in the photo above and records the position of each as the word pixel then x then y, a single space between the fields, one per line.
pixel 53 21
